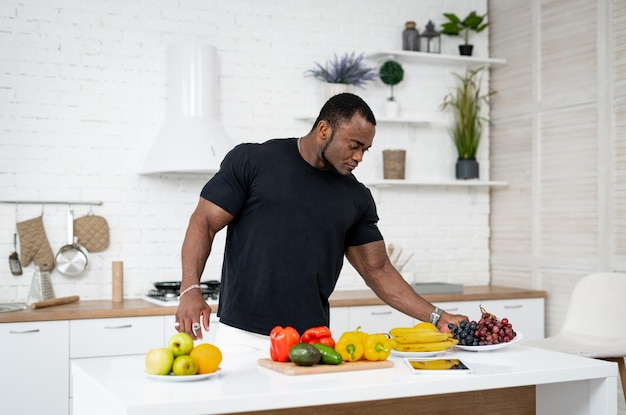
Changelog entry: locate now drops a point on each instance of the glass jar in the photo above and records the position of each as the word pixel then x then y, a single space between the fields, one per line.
pixel 410 37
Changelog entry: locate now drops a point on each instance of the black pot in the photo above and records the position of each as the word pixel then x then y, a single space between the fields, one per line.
pixel 466 50
pixel 466 169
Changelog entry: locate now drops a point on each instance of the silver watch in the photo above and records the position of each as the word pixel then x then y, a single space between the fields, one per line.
pixel 435 315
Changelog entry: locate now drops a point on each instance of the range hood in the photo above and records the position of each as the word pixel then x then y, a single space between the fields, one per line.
pixel 192 139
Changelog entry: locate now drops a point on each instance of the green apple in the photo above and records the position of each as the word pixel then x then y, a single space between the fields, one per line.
pixel 180 344
pixel 159 361
pixel 184 365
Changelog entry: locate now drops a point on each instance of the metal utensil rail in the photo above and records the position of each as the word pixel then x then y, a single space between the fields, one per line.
pixel 51 202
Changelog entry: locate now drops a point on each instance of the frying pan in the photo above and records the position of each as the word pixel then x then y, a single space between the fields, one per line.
pixel 72 259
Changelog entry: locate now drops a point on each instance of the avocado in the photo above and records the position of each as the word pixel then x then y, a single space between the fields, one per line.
pixel 304 354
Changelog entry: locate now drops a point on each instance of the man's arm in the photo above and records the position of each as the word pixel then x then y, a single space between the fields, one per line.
pixel 206 220
pixel 372 262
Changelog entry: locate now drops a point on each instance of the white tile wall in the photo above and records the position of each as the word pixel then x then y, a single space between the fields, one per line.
pixel 82 97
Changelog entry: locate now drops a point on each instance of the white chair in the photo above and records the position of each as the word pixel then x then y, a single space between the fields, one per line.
pixel 594 323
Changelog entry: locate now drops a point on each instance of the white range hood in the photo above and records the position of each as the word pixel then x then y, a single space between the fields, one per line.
pixel 192 139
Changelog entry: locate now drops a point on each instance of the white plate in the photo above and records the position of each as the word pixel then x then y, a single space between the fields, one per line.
pixel 174 378
pixel 517 338
pixel 416 354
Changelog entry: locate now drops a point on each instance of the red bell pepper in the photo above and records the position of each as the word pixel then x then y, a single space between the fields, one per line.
pixel 320 334
pixel 281 340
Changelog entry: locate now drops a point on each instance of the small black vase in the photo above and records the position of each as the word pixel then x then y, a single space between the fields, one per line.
pixel 466 50
pixel 466 169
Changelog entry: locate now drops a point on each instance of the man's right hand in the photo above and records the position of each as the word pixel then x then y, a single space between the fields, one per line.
pixel 193 309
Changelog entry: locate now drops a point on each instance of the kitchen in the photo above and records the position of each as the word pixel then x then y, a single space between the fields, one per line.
pixel 85 97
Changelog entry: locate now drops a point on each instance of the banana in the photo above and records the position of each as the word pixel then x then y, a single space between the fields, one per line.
pixel 425 325
pixel 411 335
pixel 423 347
pixel 439 364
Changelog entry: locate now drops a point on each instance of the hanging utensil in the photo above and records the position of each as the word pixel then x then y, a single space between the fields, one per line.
pixel 72 259
pixel 14 259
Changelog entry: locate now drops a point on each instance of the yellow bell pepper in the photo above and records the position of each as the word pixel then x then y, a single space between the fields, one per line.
pixel 376 347
pixel 349 346
pixel 362 335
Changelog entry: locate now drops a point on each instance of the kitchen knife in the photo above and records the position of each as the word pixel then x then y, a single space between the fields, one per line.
pixel 55 301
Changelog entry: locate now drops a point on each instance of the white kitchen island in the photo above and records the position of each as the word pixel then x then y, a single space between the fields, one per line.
pixel 559 384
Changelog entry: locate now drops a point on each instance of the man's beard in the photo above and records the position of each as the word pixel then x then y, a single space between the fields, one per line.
pixel 329 166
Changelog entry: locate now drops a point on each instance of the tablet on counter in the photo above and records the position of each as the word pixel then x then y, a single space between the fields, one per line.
pixel 437 366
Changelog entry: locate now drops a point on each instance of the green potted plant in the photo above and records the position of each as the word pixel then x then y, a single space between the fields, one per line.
pixel 341 73
pixel 457 27
pixel 466 103
pixel 391 73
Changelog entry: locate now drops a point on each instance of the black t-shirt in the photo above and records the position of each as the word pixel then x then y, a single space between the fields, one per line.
pixel 285 247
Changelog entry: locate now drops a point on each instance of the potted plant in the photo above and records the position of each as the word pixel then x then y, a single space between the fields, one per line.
pixel 457 27
pixel 391 73
pixel 340 73
pixel 466 102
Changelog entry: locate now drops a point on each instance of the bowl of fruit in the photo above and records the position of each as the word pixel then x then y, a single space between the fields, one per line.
pixel 182 360
pixel 488 333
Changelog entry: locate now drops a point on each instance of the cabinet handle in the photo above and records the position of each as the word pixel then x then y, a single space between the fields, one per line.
pixel 123 326
pixel 514 306
pixel 448 310
pixel 24 331
pixel 380 313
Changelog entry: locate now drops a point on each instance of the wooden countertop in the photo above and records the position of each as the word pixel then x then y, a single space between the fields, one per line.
pixel 87 309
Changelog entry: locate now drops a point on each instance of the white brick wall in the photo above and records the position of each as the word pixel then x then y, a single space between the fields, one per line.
pixel 82 97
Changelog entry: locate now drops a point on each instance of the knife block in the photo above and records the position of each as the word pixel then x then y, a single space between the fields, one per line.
pixel 40 287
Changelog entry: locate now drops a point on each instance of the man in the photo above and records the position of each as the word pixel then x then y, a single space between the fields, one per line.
pixel 293 210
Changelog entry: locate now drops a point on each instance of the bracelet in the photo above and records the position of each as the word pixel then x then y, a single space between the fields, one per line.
pixel 436 315
pixel 186 290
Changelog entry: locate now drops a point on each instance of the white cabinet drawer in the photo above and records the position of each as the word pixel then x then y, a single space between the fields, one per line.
pixel 471 309
pixel 377 318
pixel 115 336
pixel 35 368
pixel 339 321
pixel 525 314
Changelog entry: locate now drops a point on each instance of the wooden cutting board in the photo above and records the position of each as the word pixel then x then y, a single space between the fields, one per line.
pixel 290 368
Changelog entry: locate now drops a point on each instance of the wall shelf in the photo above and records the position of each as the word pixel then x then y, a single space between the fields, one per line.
pixel 434 183
pixel 434 58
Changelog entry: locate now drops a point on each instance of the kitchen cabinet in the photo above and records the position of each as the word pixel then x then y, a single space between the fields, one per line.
pixel 377 318
pixel 525 314
pixel 114 336
pixel 35 368
pixel 104 337
pixel 339 321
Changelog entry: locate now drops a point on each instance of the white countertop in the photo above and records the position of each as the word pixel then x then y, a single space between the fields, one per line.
pixel 241 385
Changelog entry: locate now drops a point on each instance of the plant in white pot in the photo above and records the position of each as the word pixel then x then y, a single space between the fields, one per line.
pixel 341 73
pixel 466 103
pixel 392 73
pixel 457 27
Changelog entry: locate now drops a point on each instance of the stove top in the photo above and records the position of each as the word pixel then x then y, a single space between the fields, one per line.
pixel 168 296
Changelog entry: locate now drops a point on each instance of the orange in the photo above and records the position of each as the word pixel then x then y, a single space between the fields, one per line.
pixel 207 356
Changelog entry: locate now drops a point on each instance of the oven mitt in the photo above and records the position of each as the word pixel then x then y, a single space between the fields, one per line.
pixel 34 244
pixel 92 232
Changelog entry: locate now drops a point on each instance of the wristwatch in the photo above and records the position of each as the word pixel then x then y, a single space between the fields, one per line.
pixel 435 315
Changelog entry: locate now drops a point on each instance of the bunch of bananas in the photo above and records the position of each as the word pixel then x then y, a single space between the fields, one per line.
pixel 423 337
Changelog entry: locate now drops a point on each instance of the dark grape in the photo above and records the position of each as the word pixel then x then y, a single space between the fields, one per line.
pixel 487 331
